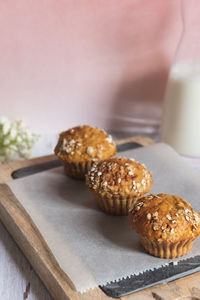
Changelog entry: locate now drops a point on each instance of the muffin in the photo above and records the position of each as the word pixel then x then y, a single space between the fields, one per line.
pixel 117 182
pixel 78 147
pixel 166 224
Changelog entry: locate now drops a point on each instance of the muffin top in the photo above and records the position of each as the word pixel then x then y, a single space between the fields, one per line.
pixel 119 177
pixel 84 143
pixel 165 218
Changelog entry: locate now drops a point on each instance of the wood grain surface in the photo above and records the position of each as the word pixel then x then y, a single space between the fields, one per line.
pixel 18 279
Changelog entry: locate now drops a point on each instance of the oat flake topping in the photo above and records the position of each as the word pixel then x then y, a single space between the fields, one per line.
pixel 122 176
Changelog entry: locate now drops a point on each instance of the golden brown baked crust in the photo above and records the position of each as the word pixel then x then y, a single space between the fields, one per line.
pixel 119 178
pixel 165 218
pixel 84 143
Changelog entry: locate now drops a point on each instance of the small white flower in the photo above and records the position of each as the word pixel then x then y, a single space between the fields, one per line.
pixel 6 127
pixel 28 134
pixel 3 120
pixel 13 147
pixel 19 139
pixel 20 124
pixel 13 133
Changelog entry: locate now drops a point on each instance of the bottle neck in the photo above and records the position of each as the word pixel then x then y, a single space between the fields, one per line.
pixel 188 48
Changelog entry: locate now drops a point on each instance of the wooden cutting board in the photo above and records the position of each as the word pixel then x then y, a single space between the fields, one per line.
pixel 27 236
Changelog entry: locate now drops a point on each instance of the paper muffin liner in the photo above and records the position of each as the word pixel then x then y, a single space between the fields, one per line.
pixel 115 206
pixel 77 170
pixel 164 250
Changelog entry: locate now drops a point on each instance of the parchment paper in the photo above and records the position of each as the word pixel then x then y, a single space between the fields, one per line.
pixel 91 247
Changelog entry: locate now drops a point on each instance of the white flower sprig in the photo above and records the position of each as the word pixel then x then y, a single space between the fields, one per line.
pixel 16 140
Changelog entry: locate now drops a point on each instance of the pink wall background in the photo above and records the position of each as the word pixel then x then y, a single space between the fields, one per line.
pixel 100 62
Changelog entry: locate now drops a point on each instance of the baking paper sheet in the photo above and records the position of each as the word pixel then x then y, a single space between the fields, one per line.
pixel 91 247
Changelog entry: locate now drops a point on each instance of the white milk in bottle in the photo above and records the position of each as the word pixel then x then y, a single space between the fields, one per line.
pixel 180 126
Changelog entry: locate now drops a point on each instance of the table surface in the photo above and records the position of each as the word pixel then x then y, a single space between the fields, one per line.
pixel 18 281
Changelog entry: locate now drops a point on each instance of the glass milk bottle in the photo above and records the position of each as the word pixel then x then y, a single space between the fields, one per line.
pixel 180 125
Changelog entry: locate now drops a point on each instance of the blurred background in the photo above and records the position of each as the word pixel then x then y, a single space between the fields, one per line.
pixel 102 63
